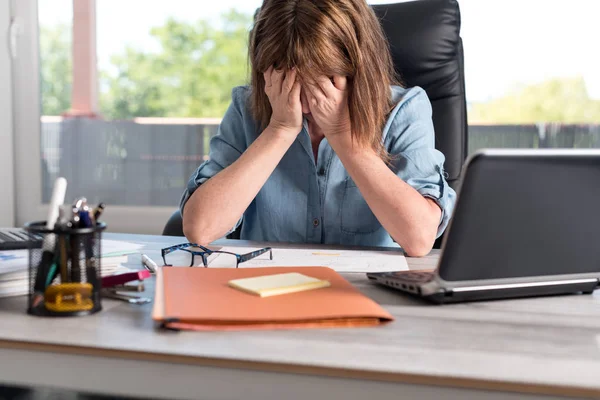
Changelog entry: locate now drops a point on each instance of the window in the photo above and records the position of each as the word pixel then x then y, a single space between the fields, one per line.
pixel 531 74
pixel 163 77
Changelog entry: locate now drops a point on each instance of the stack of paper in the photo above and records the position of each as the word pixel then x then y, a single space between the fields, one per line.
pixel 14 274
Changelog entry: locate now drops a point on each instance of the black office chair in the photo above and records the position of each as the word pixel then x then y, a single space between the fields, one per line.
pixel 174 226
pixel 427 50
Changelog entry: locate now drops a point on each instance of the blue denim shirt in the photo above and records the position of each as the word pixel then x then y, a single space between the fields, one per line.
pixel 306 202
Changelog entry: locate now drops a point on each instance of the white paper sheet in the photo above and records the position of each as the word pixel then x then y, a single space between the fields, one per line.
pixel 338 260
pixel 117 247
pixel 17 260
pixel 13 260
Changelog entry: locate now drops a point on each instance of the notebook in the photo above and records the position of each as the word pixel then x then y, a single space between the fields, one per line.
pixel 201 299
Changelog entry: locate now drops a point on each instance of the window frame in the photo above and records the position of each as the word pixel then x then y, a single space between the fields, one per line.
pixel 7 201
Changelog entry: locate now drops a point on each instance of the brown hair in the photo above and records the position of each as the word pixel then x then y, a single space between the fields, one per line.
pixel 326 37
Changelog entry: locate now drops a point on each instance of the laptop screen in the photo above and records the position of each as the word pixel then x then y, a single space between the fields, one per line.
pixel 521 215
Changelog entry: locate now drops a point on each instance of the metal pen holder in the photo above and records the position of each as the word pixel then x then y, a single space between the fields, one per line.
pixel 65 276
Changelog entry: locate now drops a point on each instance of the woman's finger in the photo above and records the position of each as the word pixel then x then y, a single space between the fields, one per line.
pixel 295 93
pixel 325 85
pixel 313 102
pixel 289 81
pixel 267 76
pixel 277 80
pixel 340 82
pixel 315 92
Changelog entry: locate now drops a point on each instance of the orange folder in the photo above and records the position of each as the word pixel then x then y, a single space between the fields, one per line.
pixel 200 299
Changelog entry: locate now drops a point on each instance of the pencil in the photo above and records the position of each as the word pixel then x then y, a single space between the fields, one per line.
pixel 62 244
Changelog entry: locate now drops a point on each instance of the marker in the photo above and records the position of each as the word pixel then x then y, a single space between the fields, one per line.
pixel 57 199
pixel 149 264
pixel 121 279
pixel 49 243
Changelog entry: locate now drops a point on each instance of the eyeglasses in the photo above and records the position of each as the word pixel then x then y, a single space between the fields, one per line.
pixel 223 258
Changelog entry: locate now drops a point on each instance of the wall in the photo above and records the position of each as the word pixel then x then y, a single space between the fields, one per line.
pixel 7 190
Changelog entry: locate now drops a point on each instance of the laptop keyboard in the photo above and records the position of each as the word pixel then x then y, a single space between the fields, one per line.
pixel 16 238
pixel 414 276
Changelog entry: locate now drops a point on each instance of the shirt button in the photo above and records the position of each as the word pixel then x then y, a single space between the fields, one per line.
pixel 316 222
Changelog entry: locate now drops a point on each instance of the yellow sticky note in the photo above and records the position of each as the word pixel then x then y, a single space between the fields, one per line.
pixel 271 285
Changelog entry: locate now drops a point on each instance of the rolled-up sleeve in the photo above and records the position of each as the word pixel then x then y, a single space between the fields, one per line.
pixel 411 143
pixel 225 148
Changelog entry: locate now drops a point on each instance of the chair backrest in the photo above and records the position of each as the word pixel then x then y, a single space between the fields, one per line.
pixel 426 46
pixel 174 226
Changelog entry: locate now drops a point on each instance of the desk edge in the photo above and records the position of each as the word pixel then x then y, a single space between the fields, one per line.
pixel 405 378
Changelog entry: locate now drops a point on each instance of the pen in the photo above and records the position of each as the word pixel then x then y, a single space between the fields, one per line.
pixel 51 273
pixel 121 279
pixel 86 221
pixel 126 298
pixel 58 197
pixel 78 222
pixel 149 264
pixel 75 220
pixel 139 287
pixel 75 259
pixel 98 211
pixel 75 249
pixel 85 217
pixel 62 245
pixel 61 259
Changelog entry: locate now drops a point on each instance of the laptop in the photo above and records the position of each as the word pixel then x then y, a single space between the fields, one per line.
pixel 526 223
pixel 18 238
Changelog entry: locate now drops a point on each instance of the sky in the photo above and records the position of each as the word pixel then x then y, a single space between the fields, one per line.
pixel 507 43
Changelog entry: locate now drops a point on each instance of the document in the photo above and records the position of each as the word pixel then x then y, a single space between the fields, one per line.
pixel 119 248
pixel 338 260
pixel 13 260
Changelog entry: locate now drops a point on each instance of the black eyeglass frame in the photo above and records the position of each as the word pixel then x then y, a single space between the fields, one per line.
pixel 240 258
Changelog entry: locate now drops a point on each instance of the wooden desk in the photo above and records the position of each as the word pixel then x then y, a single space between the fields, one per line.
pixel 533 348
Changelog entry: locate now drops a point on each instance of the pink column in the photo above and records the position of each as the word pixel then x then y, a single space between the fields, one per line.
pixel 84 100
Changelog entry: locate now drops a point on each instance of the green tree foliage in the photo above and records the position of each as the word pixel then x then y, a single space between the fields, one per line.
pixel 56 69
pixel 191 74
pixel 193 67
pixel 562 100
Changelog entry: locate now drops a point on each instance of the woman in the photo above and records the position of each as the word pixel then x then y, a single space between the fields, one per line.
pixel 321 148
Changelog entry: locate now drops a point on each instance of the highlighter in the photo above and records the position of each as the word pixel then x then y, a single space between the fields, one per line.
pixel 49 243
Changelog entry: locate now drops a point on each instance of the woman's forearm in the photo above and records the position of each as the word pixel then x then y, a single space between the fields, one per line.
pixel 411 219
pixel 215 207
